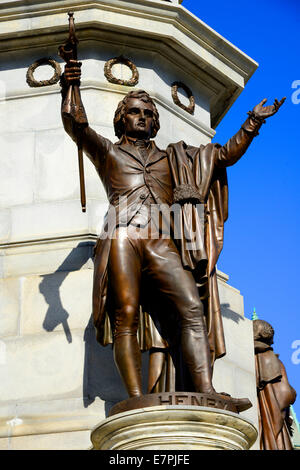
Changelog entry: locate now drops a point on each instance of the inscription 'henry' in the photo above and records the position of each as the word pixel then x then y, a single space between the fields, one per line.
pixel 194 400
pixel 226 402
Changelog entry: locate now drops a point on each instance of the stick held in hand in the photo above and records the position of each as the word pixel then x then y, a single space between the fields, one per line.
pixel 72 106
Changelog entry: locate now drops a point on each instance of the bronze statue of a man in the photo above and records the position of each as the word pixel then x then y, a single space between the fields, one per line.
pixel 131 256
pixel 274 392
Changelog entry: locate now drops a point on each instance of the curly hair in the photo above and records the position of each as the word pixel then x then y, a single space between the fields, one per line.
pixel 263 331
pixel 120 112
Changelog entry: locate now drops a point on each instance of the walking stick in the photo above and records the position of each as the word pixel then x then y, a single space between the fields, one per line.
pixel 72 102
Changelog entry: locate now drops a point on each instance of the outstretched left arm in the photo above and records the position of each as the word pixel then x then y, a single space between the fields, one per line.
pixel 233 150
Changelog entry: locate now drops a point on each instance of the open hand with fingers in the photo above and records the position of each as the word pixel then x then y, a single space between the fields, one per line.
pixel 262 112
pixel 72 72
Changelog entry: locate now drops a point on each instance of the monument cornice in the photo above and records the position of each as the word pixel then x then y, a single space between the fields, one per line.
pixel 99 85
pixel 22 22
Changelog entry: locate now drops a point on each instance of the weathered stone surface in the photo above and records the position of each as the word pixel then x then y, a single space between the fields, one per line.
pixel 174 428
pixel 48 256
pixel 56 381
pixel 48 416
pixel 5 224
pixel 10 306
pixel 74 440
pixel 19 163
pixel 57 301
pixel 40 367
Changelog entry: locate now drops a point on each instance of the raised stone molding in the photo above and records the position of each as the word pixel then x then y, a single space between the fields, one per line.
pixel 52 390
pixel 119 81
pixel 174 428
pixel 101 85
pixel 191 107
pixel 28 24
pixel 32 82
pixel 67 416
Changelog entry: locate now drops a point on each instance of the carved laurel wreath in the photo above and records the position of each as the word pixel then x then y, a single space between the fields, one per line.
pixel 121 60
pixel 191 108
pixel 32 82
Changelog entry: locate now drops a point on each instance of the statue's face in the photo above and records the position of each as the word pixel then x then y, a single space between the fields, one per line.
pixel 138 119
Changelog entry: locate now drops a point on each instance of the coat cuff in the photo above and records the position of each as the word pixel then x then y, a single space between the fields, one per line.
pixel 253 123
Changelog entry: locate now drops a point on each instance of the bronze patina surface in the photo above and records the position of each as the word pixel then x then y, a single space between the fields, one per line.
pixel 151 291
pixel 274 392
pixel 221 402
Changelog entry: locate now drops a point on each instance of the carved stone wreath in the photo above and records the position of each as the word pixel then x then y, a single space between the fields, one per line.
pixel 191 108
pixel 32 82
pixel 121 60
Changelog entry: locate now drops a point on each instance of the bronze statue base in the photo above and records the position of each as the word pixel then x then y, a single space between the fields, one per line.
pixel 219 401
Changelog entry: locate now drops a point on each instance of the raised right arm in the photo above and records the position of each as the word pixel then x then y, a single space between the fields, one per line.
pixel 94 145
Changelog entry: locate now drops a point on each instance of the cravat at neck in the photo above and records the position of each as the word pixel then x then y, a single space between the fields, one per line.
pixel 142 144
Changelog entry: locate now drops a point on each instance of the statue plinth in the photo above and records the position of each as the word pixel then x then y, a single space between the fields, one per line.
pixel 208 400
pixel 173 426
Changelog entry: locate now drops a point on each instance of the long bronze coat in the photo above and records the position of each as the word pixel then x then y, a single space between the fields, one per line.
pixel 125 174
pixel 275 395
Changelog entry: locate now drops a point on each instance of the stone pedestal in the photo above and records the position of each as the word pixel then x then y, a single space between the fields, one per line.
pixel 56 381
pixel 172 427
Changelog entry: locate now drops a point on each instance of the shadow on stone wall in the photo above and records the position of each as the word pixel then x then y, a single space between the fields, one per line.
pixel 231 314
pixel 51 283
pixel 56 314
pixel 100 376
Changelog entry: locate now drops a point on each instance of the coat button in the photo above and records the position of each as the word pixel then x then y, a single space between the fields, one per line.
pixel 143 196
pixel 147 170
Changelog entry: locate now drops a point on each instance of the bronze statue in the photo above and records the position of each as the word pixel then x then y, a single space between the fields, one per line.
pixel 136 266
pixel 275 394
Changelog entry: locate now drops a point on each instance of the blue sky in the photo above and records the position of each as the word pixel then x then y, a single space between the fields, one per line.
pixel 262 236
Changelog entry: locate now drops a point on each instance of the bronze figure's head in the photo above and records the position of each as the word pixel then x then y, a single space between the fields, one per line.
pixel 263 331
pixel 136 116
